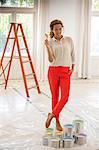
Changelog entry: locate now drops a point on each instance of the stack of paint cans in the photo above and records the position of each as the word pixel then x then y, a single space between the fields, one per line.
pixel 68 130
pixel 48 136
pixel 78 126
pixel 79 136
pixel 71 134
pixel 59 134
pixel 59 139
pixel 68 135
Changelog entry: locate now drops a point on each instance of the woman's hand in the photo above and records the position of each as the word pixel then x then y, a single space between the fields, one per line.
pixel 71 71
pixel 49 49
pixel 46 41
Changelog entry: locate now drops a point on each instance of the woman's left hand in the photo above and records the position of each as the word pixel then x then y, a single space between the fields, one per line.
pixel 71 71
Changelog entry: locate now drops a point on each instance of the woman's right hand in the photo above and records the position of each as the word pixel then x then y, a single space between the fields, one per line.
pixel 50 51
pixel 46 41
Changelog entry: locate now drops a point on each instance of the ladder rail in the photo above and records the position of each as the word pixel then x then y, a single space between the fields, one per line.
pixel 6 44
pixel 15 31
pixel 3 73
pixel 1 61
pixel 22 68
pixel 3 69
pixel 30 60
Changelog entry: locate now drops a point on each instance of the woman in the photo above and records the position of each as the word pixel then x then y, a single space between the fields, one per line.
pixel 62 59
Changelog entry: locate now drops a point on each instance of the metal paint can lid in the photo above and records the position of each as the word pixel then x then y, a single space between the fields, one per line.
pixel 49 133
pixel 55 139
pixel 68 138
pixel 81 135
pixel 68 126
pixel 78 121
pixel 59 132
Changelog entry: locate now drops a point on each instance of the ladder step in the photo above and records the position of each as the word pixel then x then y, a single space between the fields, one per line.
pixel 28 74
pixel 14 23
pixel 21 36
pixel 29 78
pixel 11 38
pixel 17 57
pixel 23 48
pixel 32 87
pixel 14 37
pixel 27 61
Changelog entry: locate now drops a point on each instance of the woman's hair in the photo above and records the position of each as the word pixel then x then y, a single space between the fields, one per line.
pixel 54 22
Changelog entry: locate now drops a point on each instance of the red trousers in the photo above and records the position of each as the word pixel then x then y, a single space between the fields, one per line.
pixel 59 77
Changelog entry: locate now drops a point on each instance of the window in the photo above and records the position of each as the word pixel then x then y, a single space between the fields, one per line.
pixel 19 15
pixel 17 3
pixel 5 20
pixel 27 23
pixel 95 5
pixel 95 28
pixel 95 35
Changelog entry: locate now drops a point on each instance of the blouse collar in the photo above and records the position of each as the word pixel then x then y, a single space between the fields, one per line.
pixel 58 40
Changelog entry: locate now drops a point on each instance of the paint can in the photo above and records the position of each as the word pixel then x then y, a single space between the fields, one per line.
pixel 54 142
pixel 61 143
pixel 68 142
pixel 78 126
pixel 49 132
pixel 68 130
pixel 80 139
pixel 58 134
pixel 45 140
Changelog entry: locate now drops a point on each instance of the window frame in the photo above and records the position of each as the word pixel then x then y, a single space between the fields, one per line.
pixel 17 10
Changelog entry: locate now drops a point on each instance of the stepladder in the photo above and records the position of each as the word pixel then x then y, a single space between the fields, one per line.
pixel 15 33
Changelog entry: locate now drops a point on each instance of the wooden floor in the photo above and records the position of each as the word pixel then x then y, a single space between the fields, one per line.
pixel 22 120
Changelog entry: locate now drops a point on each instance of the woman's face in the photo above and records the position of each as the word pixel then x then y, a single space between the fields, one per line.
pixel 57 30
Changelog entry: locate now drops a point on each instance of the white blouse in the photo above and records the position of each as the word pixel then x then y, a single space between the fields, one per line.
pixel 63 51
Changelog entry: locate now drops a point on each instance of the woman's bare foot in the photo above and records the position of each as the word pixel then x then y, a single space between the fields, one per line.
pixel 49 118
pixel 58 125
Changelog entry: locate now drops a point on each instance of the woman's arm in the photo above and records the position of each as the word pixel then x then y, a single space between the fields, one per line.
pixel 50 54
pixel 49 50
pixel 72 56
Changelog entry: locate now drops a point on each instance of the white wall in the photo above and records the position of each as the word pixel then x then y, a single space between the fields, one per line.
pixel 69 12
